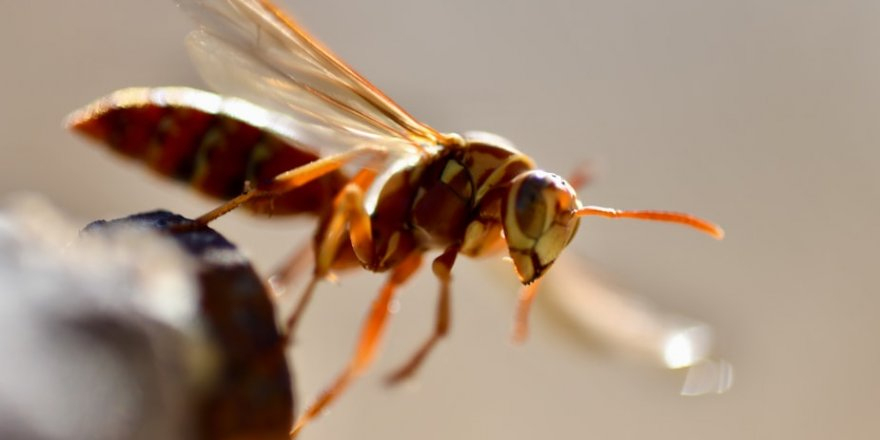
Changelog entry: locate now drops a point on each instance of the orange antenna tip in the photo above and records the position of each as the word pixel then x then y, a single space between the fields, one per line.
pixel 699 224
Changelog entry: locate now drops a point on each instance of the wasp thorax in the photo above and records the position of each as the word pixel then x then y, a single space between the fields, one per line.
pixel 538 221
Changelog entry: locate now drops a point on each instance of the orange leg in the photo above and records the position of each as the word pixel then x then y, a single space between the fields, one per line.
pixel 582 175
pixel 295 178
pixel 304 299
pixel 521 322
pixel 350 215
pixel 442 268
pixel 371 334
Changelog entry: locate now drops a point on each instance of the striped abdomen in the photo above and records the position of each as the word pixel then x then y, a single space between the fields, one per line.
pixel 214 144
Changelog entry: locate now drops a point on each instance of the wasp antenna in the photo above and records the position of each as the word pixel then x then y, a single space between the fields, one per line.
pixel 699 224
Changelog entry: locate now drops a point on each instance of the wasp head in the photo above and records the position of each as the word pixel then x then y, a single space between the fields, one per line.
pixel 538 221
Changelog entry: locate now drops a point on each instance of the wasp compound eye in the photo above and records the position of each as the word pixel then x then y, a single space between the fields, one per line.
pixel 531 212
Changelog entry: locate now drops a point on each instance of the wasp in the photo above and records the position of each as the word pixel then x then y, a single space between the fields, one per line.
pixel 298 131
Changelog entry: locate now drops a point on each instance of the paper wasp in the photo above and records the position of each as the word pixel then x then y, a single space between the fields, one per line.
pixel 393 190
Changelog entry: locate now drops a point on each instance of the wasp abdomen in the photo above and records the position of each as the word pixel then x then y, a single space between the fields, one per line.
pixel 215 152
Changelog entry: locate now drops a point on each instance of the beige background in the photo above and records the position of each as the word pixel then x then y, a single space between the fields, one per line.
pixel 761 115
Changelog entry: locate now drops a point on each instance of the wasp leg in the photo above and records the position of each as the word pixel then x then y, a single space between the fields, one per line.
pixel 294 178
pixel 582 175
pixel 350 215
pixel 371 333
pixel 521 322
pixel 442 268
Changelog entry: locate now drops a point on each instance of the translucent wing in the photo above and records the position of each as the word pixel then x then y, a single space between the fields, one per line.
pixel 621 320
pixel 627 325
pixel 250 49
pixel 709 376
pixel 233 72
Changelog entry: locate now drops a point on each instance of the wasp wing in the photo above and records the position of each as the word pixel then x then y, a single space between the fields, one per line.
pixel 621 320
pixel 313 120
pixel 628 325
pixel 270 60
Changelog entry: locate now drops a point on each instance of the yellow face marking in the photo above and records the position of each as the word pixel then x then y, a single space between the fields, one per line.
pixel 551 244
pixel 522 263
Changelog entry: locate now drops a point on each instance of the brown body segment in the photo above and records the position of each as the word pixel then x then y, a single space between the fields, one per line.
pixel 433 204
pixel 216 153
pixel 458 181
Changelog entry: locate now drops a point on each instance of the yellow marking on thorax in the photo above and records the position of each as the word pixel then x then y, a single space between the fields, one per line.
pixel 498 172
pixel 458 179
pixel 452 169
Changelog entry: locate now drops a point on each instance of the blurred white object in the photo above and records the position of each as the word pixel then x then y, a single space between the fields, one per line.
pixel 628 325
pixel 144 327
pixel 100 337
pixel 707 377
